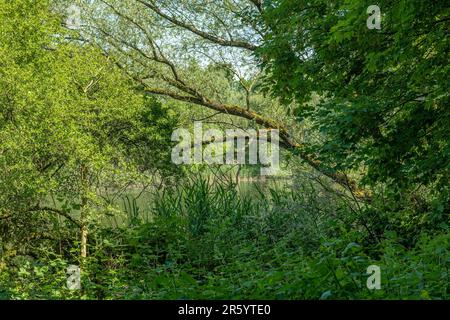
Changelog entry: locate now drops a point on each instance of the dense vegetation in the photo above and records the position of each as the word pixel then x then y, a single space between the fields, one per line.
pixel 86 177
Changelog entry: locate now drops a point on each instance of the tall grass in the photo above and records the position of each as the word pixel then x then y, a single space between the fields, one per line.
pixel 210 240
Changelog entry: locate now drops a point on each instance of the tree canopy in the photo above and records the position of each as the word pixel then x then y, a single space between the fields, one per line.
pixel 381 96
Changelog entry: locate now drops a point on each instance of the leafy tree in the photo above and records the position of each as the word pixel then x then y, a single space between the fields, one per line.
pixel 158 42
pixel 381 95
pixel 71 124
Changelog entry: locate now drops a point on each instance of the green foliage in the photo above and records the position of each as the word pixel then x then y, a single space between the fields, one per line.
pixel 249 249
pixel 71 124
pixel 383 94
pixel 79 138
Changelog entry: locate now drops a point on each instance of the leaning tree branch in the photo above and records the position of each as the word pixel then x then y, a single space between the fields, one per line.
pixel 285 140
pixel 205 35
pixel 186 93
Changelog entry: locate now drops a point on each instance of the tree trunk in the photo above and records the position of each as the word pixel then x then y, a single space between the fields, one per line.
pixel 83 214
pixel 84 238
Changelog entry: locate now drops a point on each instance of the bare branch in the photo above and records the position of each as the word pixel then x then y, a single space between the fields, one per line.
pixel 205 35
pixel 54 210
